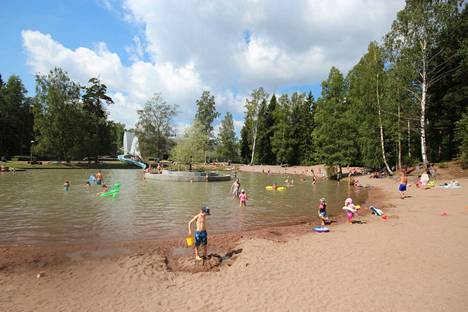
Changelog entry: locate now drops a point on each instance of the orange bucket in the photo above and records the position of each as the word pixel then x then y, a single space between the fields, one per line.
pixel 189 241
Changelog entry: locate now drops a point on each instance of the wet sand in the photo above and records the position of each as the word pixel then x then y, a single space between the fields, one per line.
pixel 414 261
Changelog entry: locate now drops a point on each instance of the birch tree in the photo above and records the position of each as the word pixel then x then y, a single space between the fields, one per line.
pixel 413 43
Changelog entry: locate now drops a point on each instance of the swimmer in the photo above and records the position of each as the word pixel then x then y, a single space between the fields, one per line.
pixel 99 178
pixel 274 186
pixel 66 186
pixel 243 199
pixel 103 190
pixel 314 179
pixel 235 189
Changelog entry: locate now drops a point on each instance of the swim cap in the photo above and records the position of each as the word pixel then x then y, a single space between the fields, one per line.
pixel 206 210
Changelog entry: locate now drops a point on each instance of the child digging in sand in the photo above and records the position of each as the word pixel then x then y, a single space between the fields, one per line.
pixel 322 212
pixel 243 199
pixel 201 236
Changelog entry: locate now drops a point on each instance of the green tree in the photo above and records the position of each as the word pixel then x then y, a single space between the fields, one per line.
pixel 205 115
pixel 413 42
pixel 334 132
pixel 58 116
pixel 15 118
pixel 252 106
pixel 192 146
pixel 245 150
pixel 461 135
pixel 266 121
pixel 227 142
pixel 154 128
pixel 98 139
pixel 280 142
pixel 366 94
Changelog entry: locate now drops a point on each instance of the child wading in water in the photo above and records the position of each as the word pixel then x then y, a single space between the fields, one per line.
pixel 350 209
pixel 201 236
pixel 322 212
pixel 242 199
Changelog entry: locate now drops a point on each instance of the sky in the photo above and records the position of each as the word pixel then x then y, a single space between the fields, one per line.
pixel 180 48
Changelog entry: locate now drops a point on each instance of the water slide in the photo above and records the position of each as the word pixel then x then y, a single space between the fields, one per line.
pixel 131 151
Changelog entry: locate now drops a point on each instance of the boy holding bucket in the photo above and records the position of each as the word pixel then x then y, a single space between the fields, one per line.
pixel 201 236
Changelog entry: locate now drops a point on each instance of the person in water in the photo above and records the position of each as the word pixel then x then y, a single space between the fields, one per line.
pixel 243 199
pixel 235 189
pixel 66 186
pixel 403 184
pixel 104 189
pixel 201 236
pixel 322 212
pixel 274 186
pixel 99 178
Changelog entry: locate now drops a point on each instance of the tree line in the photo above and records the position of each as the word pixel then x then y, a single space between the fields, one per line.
pixel 63 121
pixel 405 101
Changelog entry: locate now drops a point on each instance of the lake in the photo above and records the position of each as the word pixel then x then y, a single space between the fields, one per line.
pixel 35 209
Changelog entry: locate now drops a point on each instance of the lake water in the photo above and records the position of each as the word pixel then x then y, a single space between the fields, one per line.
pixel 34 208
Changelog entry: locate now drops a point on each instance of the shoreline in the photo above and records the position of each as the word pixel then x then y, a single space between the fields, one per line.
pixel 417 253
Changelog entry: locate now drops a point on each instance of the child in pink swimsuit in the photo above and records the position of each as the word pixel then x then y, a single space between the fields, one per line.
pixel 242 199
pixel 350 209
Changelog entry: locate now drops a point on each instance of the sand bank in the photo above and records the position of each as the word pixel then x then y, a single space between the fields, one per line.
pixel 414 261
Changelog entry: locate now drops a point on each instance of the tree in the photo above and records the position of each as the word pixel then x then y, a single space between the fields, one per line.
pixel 245 150
pixel 206 114
pixel 58 116
pixel 413 42
pixel 154 128
pixel 15 117
pixel 280 142
pixel 93 98
pixel 227 141
pixel 461 135
pixel 190 148
pixel 367 80
pixel 334 132
pixel 251 120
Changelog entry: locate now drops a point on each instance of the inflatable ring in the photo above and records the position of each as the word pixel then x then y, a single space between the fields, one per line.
pixel 321 229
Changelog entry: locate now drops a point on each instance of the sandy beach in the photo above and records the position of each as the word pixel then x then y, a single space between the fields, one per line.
pixel 414 261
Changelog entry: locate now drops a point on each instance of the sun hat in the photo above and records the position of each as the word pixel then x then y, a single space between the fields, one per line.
pixel 348 201
pixel 242 191
pixel 323 200
pixel 206 210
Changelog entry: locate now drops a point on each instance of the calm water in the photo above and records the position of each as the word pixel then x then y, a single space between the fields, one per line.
pixel 35 209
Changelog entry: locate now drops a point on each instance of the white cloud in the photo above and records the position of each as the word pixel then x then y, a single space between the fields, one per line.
pixel 227 47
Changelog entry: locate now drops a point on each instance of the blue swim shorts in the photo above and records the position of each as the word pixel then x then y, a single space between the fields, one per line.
pixel 201 238
pixel 402 187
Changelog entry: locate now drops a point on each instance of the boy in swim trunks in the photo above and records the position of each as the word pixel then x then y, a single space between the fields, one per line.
pixel 403 184
pixel 201 236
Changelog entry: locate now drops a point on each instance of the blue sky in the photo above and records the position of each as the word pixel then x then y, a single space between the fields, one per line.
pixel 179 49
